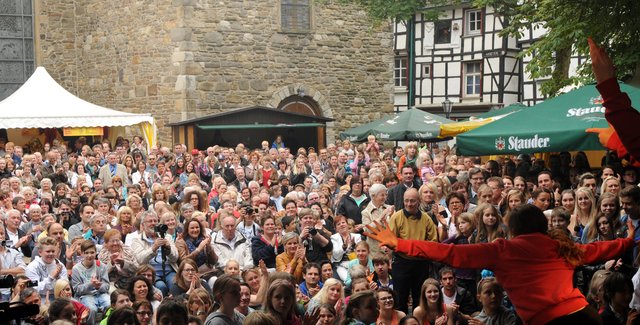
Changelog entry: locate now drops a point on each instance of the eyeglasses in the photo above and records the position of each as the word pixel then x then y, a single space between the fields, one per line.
pixel 189 271
pixel 144 313
pixel 390 298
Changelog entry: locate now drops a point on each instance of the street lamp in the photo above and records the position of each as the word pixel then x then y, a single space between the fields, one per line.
pixel 447 105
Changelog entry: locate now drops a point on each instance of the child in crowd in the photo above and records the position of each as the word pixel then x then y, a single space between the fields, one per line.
pixel 490 226
pixel 90 279
pixel 490 295
pixel 46 269
pixel 362 309
pixel 560 218
pixel 381 276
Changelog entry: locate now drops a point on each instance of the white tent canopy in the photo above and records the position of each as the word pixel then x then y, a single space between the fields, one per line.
pixel 42 103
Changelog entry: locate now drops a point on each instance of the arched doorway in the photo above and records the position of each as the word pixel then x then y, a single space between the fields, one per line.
pixel 306 100
pixel 305 105
pixel 301 105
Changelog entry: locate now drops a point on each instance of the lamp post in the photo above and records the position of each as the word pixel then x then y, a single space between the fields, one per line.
pixel 447 105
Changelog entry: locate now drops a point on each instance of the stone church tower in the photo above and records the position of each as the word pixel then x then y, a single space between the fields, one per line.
pixel 181 59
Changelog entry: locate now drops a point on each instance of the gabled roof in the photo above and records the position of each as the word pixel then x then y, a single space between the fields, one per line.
pixel 248 112
pixel 42 103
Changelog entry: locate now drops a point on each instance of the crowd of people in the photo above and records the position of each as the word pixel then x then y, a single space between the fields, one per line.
pixel 260 236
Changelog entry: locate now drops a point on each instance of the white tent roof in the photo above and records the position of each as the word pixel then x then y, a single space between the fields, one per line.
pixel 42 103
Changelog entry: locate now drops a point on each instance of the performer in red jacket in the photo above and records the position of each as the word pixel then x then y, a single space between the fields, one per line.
pixel 535 267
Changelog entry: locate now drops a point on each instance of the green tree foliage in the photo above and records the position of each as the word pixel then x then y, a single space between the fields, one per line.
pixel 568 23
pixel 380 11
pixel 614 23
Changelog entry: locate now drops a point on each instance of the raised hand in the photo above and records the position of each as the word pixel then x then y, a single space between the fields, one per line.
pixel 157 296
pixel 631 231
pixel 383 235
pixel 601 63
pixel 313 291
pixel 118 259
pixel 57 271
pixel 204 243
pixel 263 268
pixel 311 319
pixel 96 283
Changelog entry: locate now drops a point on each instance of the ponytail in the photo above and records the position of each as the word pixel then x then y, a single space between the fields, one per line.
pixel 567 248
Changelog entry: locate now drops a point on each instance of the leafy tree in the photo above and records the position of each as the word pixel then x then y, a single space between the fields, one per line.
pixel 381 11
pixel 568 24
pixel 614 23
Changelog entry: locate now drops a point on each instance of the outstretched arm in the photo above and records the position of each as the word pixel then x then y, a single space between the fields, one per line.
pixel 606 250
pixel 462 256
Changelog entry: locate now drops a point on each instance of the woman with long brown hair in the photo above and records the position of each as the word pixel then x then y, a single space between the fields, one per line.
pixel 535 267
pixel 432 309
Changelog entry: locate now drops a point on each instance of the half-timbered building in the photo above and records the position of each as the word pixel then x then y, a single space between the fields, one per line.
pixel 463 58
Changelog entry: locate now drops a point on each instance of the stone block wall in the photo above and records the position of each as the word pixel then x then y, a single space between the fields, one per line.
pixel 179 59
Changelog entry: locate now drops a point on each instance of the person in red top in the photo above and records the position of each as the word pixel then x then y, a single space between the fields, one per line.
pixel 622 136
pixel 535 267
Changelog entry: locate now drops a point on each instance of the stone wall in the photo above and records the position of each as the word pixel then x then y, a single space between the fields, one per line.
pixel 55 38
pixel 180 59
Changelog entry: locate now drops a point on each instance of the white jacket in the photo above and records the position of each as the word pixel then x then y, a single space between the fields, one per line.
pixel 241 251
pixel 143 251
pixel 39 271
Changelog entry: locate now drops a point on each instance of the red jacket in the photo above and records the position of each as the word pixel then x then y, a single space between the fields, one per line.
pixel 624 119
pixel 537 280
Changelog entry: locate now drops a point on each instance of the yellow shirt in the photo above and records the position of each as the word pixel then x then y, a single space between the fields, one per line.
pixel 412 228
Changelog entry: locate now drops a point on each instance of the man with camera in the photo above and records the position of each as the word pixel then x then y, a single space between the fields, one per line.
pixel 66 216
pixel 52 169
pixel 317 246
pixel 152 248
pixel 11 263
pixel 249 226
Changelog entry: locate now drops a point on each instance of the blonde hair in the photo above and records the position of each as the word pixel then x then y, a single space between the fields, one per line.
pixel 322 296
pixel 603 188
pixel 260 317
pixel 592 211
pixel 59 286
pixel 467 217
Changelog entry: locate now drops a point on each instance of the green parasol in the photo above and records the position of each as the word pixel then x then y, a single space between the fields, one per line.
pixel 557 124
pixel 413 124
